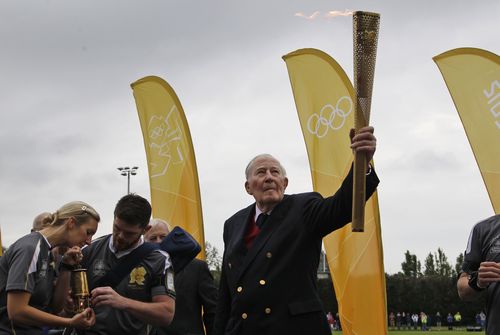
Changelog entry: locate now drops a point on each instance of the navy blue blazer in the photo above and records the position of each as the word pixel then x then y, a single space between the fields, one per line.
pixel 272 287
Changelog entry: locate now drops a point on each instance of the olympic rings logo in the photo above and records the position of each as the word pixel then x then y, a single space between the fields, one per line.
pixel 319 124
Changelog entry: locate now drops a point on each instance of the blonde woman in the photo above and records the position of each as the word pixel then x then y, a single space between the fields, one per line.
pixel 27 270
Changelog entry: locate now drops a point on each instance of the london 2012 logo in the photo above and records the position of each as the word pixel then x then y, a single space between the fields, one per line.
pixel 166 142
pixel 330 117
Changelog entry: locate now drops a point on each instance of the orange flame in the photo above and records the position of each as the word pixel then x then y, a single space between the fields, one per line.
pixel 329 14
pixel 308 17
pixel 334 13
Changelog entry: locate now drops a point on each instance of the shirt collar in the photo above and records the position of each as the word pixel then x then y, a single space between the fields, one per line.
pixel 258 212
pixel 122 253
pixel 46 241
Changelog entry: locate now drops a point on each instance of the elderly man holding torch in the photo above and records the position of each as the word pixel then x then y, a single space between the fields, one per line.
pixel 272 249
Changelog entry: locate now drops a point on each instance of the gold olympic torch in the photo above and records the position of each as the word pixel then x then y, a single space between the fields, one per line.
pixel 366 26
pixel 80 290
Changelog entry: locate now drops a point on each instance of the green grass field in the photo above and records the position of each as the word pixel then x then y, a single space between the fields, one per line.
pixel 433 331
pixel 444 332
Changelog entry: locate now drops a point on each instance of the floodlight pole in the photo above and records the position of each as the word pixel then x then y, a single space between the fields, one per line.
pixel 127 171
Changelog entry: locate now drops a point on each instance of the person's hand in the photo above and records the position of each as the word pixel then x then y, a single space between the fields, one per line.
pixel 364 141
pixel 489 272
pixel 83 320
pixel 108 297
pixel 69 305
pixel 72 256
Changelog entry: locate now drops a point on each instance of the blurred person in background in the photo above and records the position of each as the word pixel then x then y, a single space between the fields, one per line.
pixel 196 293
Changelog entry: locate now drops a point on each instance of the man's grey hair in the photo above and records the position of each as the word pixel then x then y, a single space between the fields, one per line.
pixel 156 222
pixel 251 163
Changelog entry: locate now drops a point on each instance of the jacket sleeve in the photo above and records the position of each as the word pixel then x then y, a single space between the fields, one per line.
pixel 334 212
pixel 223 308
pixel 473 253
pixel 208 296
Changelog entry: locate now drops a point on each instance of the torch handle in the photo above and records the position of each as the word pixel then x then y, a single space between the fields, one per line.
pixel 359 173
pixel 359 196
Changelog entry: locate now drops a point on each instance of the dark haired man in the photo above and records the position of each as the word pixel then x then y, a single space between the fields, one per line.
pixel 145 295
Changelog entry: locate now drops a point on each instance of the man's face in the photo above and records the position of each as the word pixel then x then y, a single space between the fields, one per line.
pixel 156 234
pixel 125 235
pixel 266 183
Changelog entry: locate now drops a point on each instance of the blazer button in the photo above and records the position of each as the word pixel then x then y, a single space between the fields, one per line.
pixel 244 316
pixel 229 264
pixel 269 255
pixel 262 282
pixel 267 310
pixel 239 289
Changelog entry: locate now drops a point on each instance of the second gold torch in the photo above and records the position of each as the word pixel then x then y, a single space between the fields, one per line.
pixel 80 290
pixel 365 29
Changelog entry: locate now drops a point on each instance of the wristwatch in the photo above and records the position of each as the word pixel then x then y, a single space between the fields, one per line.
pixel 472 277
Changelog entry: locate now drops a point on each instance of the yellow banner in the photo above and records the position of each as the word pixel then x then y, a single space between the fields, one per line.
pixel 473 79
pixel 324 99
pixel 173 177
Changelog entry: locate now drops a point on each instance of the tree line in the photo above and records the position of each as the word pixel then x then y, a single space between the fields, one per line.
pixel 430 288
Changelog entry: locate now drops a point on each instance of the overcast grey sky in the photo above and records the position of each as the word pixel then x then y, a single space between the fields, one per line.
pixel 68 117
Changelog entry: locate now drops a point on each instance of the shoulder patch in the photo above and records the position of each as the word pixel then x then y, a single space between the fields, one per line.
pixel 169 282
